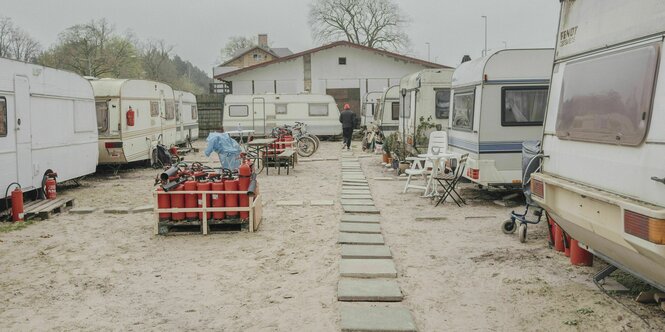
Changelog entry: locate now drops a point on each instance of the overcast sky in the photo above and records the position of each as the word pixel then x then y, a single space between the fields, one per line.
pixel 198 29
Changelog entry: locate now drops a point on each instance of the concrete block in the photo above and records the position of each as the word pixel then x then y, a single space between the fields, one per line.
pixel 372 290
pixel 82 210
pixel 366 251
pixel 289 203
pixel 144 208
pixel 369 317
pixel 355 238
pixel 360 209
pixel 353 227
pixel 356 197
pixel 367 268
pixel 322 203
pixel 355 192
pixel 117 210
pixel 361 218
pixel 361 202
pixel 384 178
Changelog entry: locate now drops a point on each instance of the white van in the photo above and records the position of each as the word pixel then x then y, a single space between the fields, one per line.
pixel 427 95
pixel 47 122
pixel 603 178
pixel 262 113
pixel 153 108
pixel 186 115
pixel 386 116
pixel 498 102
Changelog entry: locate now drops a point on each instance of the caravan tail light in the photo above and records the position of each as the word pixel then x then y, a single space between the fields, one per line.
pixel 644 227
pixel 111 145
pixel 537 188
pixel 473 173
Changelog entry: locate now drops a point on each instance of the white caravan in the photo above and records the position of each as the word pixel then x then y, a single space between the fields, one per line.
pixel 386 116
pixel 186 115
pixel 603 177
pixel 498 102
pixel 262 113
pixel 152 107
pixel 47 122
pixel 369 108
pixel 427 95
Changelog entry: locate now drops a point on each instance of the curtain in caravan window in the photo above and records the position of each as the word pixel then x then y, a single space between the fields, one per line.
pixel 442 104
pixel 280 108
pixel 318 109
pixel 463 110
pixel 406 112
pixel 238 110
pixel 170 110
pixel 195 113
pixel 395 110
pixel 3 117
pixel 523 106
pixel 102 116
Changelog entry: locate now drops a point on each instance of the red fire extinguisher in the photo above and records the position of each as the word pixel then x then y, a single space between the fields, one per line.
pixel 17 204
pixel 190 200
pixel 163 202
pixel 178 201
pixel 218 199
pixel 50 185
pixel 231 200
pixel 130 117
pixel 204 186
pixel 244 174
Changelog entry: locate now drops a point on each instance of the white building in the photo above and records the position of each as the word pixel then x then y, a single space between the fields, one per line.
pixel 341 69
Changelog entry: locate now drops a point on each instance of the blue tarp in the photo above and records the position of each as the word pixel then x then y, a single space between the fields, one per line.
pixel 226 147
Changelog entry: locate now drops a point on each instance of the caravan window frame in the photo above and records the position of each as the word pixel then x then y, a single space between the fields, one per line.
pixel 592 115
pixel 286 108
pixel 177 112
pixel 105 129
pixel 471 92
pixel 195 112
pixel 154 108
pixel 3 117
pixel 244 107
pixel 169 110
pixel 504 122
pixel 318 104
pixel 436 100
pixel 394 115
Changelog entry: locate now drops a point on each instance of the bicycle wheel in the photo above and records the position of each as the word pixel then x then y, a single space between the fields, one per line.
pixel 258 165
pixel 306 146
pixel 316 140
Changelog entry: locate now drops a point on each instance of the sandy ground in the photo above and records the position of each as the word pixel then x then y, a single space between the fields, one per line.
pixel 108 272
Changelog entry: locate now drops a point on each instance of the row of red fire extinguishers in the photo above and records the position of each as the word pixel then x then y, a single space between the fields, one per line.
pixel 196 177
pixel 47 191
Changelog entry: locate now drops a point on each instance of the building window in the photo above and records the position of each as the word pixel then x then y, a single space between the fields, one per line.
pixel 154 109
pixel 102 116
pixel 442 104
pixel 395 111
pixel 463 110
pixel 607 98
pixel 341 60
pixel 3 117
pixel 257 57
pixel 195 112
pixel 523 106
pixel 318 109
pixel 280 109
pixel 170 110
pixel 238 110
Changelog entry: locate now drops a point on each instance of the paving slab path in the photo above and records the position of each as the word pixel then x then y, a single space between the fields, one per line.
pixel 372 290
pixel 350 227
pixel 362 317
pixel 366 251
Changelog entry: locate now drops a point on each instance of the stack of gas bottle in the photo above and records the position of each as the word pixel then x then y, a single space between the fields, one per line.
pixel 196 177
pixel 569 246
pixel 282 143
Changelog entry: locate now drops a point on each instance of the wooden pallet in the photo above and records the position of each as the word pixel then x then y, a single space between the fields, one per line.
pixel 195 226
pixel 46 208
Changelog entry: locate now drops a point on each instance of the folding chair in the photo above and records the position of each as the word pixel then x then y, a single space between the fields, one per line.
pixel 454 175
pixel 438 140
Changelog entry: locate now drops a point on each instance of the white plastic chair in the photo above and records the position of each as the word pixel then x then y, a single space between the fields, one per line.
pixel 438 143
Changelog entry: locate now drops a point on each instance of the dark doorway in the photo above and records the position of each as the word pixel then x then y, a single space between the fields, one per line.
pixel 346 95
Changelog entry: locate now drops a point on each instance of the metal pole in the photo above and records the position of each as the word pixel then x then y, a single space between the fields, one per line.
pixel 428 45
pixel 485 49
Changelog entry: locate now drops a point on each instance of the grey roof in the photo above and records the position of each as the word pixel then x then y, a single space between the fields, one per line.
pixel 281 51
pixel 277 52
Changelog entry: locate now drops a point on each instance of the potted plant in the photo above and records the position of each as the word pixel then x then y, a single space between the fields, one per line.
pixel 387 148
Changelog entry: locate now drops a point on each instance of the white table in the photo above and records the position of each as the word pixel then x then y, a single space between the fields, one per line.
pixel 436 159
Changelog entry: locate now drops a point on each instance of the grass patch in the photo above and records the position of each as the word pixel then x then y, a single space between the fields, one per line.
pixel 634 284
pixel 14 226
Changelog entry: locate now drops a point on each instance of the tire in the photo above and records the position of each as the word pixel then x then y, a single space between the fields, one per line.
pixel 316 140
pixel 306 146
pixel 522 233
pixel 508 226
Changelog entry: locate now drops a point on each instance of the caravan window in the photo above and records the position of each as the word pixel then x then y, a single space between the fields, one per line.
pixel 280 108
pixel 442 104
pixel 463 110
pixel 318 109
pixel 177 111
pixel 3 117
pixel 195 112
pixel 523 106
pixel 238 110
pixel 154 109
pixel 607 98
pixel 170 110
pixel 102 116
pixel 395 111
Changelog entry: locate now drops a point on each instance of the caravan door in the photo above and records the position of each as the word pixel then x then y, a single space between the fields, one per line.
pixel 23 137
pixel 259 116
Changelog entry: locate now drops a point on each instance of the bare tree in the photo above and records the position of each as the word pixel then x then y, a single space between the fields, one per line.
pixel 236 43
pixel 374 23
pixel 156 57
pixel 15 43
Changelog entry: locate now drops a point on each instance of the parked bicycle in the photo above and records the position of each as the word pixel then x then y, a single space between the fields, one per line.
pixel 306 144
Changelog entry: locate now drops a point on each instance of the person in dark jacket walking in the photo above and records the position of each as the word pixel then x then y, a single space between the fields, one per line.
pixel 348 120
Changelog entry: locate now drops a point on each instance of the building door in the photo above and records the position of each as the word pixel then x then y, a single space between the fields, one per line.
pixel 259 108
pixel 23 135
pixel 349 96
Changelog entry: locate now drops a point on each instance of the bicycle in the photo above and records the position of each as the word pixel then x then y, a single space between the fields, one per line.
pixel 305 145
